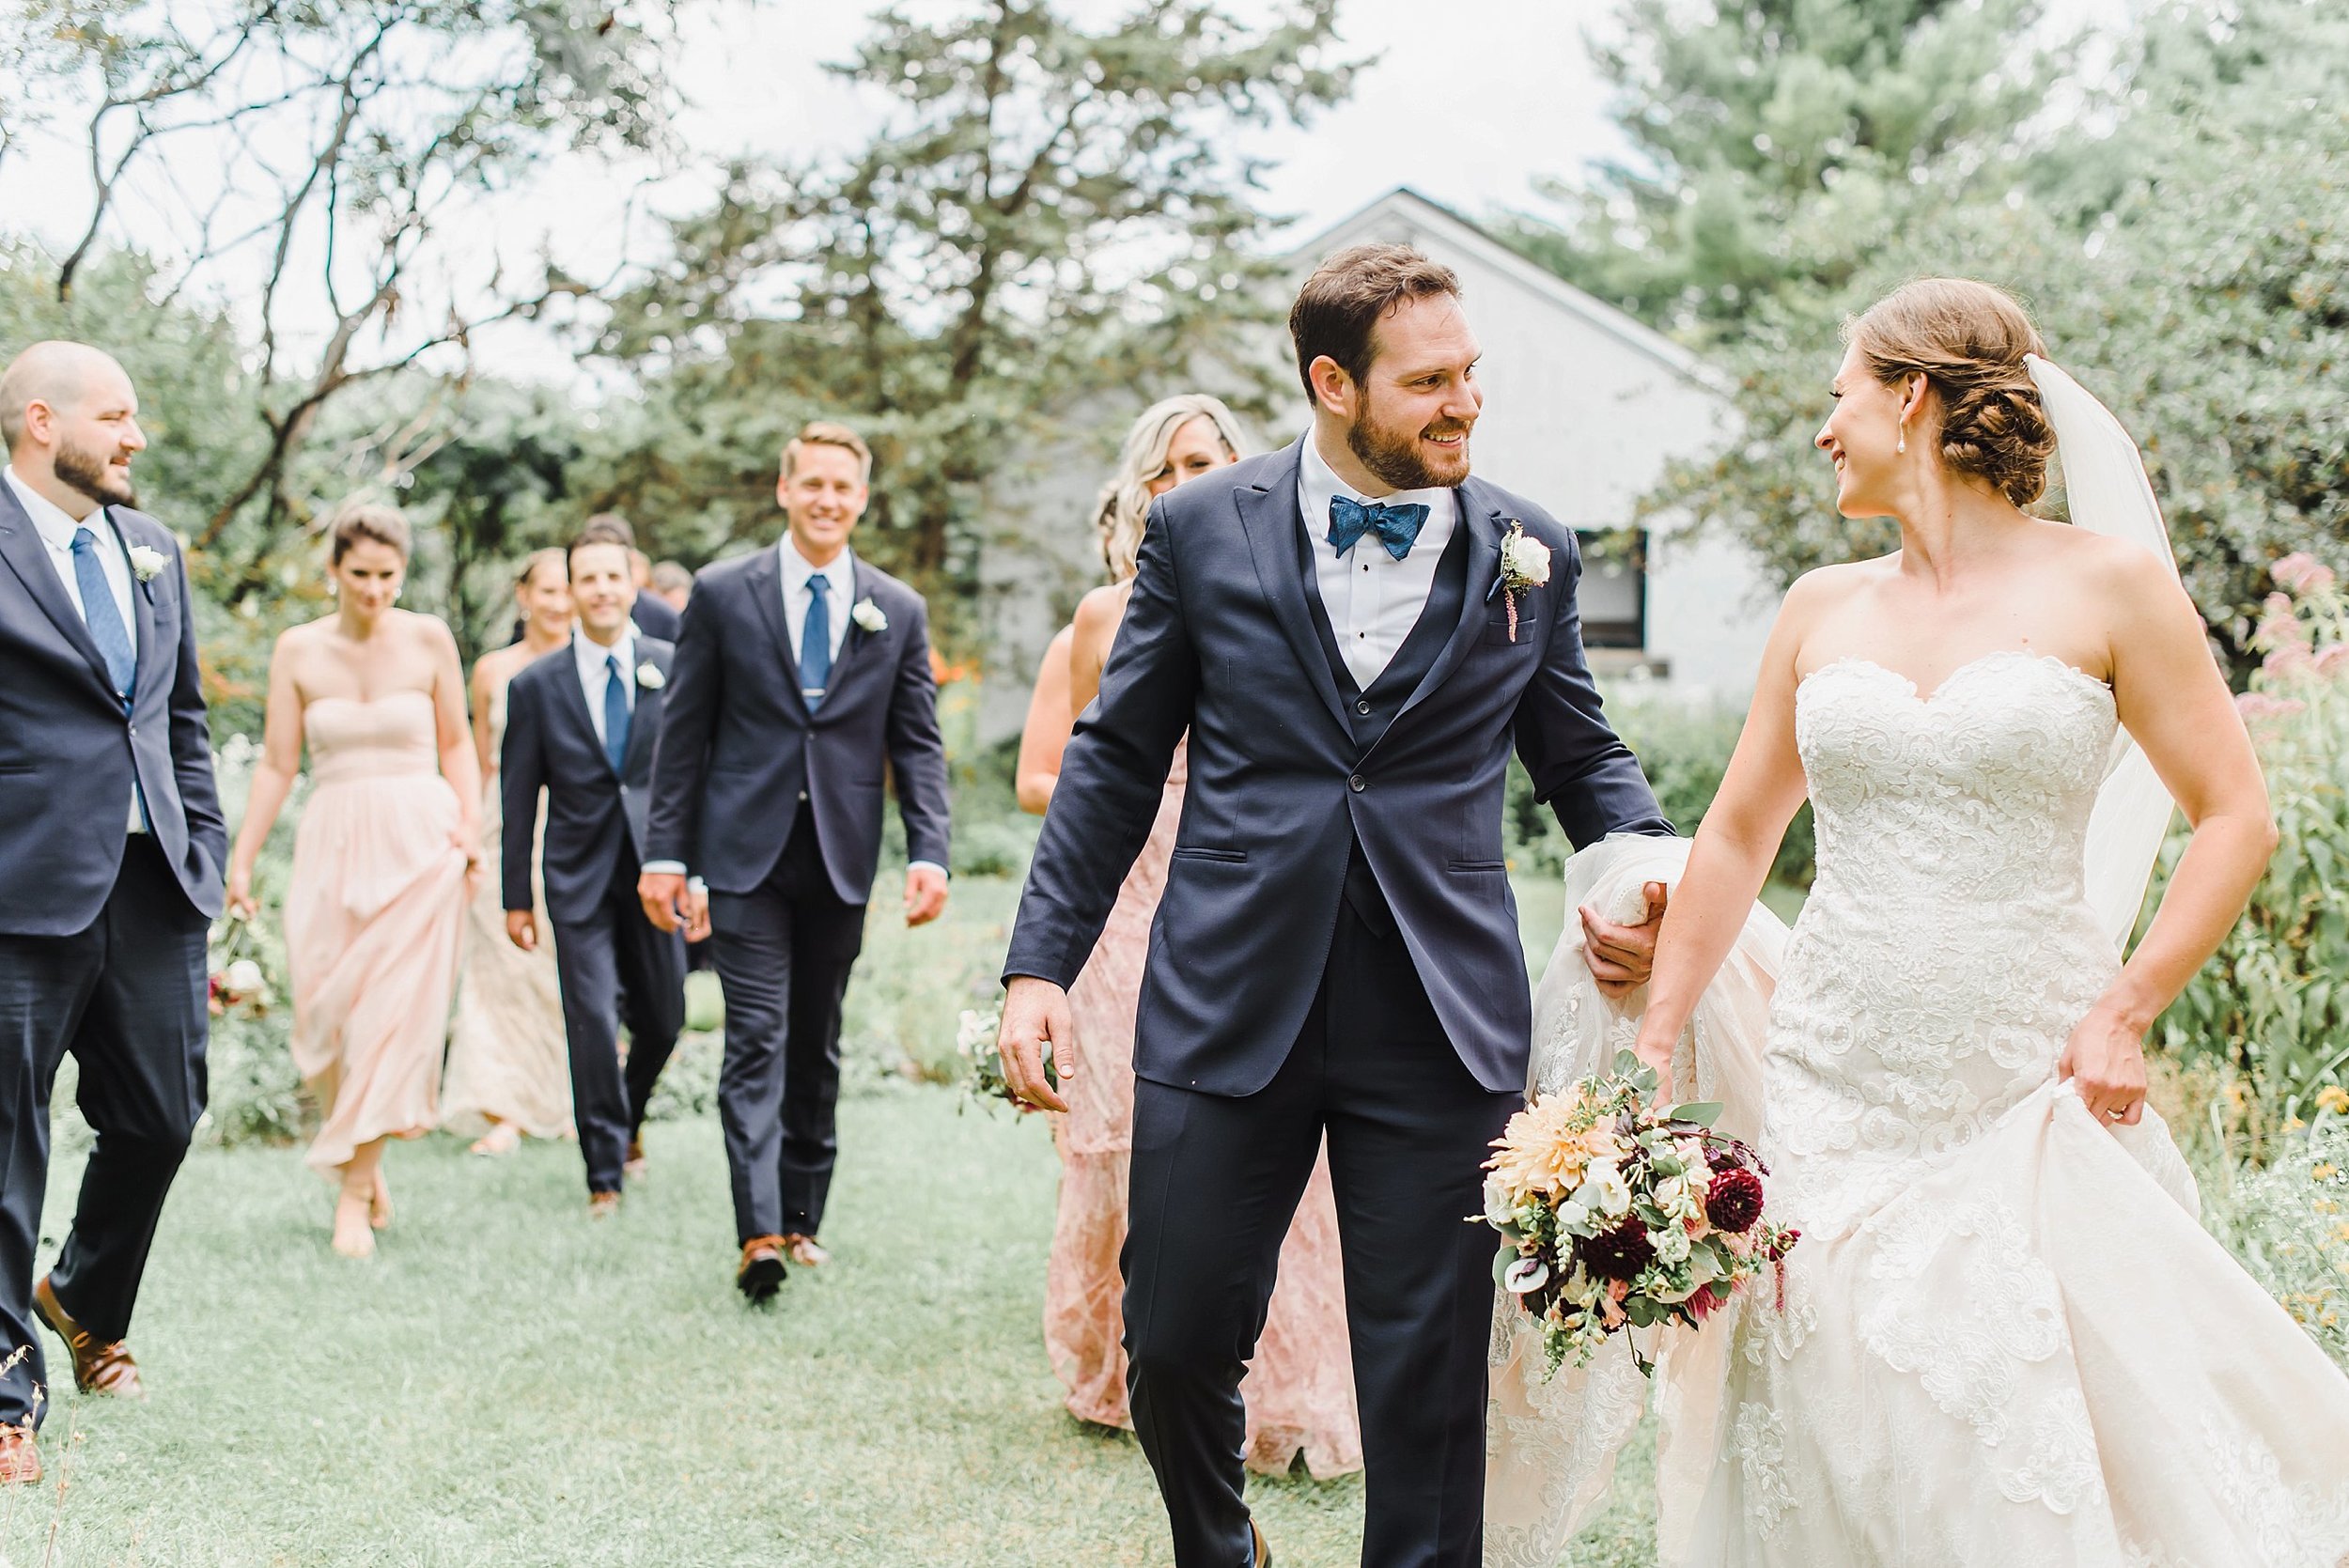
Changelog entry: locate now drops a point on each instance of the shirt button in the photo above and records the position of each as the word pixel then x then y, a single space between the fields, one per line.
pixel 1358 784
pixel 1363 707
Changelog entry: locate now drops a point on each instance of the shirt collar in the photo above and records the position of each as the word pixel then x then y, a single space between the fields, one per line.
pixel 591 654
pixel 797 570
pixel 55 525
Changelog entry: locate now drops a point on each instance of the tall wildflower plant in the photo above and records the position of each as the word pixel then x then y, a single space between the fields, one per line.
pixel 2289 1222
pixel 2266 1022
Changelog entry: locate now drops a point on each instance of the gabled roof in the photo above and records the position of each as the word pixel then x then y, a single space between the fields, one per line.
pixel 1457 231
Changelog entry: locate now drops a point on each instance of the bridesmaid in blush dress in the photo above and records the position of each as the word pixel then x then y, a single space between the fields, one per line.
pixel 1300 1389
pixel 509 1076
pixel 385 850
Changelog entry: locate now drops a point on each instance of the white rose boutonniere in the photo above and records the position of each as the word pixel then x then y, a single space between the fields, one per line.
pixel 868 615
pixel 1524 563
pixel 146 561
pixel 649 678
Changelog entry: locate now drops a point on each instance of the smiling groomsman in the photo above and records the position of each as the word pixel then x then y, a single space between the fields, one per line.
pixel 584 728
pixel 111 846
pixel 801 671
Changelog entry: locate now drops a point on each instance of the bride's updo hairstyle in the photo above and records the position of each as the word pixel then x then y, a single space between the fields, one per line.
pixel 1969 339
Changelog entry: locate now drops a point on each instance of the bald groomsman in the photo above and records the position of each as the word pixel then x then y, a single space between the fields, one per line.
pixel 111 850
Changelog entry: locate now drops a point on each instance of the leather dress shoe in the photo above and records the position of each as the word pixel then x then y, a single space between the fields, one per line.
pixel 1264 1547
pixel 602 1206
pixel 803 1251
pixel 100 1366
pixel 20 1461
pixel 633 1166
pixel 759 1275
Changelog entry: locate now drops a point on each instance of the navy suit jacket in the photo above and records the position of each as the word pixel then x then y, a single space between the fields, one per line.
pixel 67 751
pixel 741 753
pixel 1219 641
pixel 654 617
pixel 550 743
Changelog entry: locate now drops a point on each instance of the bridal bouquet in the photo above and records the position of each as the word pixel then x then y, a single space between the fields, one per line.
pixel 1614 1216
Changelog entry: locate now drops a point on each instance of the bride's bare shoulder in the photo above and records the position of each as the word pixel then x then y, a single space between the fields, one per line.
pixel 1823 590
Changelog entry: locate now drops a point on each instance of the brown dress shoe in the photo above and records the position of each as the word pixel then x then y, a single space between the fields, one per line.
pixel 759 1275
pixel 803 1250
pixel 633 1166
pixel 20 1461
pixel 602 1206
pixel 99 1366
pixel 1264 1547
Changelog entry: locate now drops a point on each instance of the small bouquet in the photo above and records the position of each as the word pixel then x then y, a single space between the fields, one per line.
pixel 237 979
pixel 975 1042
pixel 1613 1216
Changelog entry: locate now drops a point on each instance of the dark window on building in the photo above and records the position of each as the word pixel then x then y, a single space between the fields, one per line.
pixel 1613 592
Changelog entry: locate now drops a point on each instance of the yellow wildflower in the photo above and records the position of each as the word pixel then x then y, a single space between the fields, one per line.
pixel 2323 1171
pixel 2333 1097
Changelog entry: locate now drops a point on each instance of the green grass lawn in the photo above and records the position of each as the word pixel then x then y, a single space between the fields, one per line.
pixel 508 1383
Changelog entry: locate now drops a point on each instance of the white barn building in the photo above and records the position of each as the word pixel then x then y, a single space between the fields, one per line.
pixel 1583 407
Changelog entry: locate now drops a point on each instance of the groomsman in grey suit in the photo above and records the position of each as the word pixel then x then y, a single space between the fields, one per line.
pixel 801 673
pixel 111 846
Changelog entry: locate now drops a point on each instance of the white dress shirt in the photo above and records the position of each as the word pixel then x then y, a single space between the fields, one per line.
pixel 1373 600
pixel 841 577
pixel 56 530
pixel 590 655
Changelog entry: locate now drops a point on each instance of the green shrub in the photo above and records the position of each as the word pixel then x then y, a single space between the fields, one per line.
pixel 2268 1016
pixel 2289 1222
pixel 256 1095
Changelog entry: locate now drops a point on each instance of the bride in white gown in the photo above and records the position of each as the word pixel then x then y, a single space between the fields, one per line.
pixel 2003 1338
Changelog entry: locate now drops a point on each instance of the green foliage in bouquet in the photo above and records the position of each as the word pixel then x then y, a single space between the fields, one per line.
pixel 984 1082
pixel 2268 1016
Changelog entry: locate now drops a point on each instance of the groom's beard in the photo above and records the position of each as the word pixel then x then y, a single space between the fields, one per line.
pixel 1399 462
pixel 87 472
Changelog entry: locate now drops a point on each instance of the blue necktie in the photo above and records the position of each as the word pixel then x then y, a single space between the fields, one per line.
pixel 105 621
pixel 815 644
pixel 1397 527
pixel 615 716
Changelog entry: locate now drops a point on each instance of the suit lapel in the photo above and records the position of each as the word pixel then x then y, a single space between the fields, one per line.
pixel 1270 519
pixel 1483 520
pixel 764 582
pixel 142 608
pixel 21 546
pixel 645 720
pixel 855 636
pixel 573 700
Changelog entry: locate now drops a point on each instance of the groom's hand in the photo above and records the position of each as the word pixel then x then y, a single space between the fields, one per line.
pixel 662 895
pixel 1035 1021
pixel 1622 957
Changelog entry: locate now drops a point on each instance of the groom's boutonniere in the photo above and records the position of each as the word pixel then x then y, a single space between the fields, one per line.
pixel 648 676
pixel 868 615
pixel 146 561
pixel 1524 563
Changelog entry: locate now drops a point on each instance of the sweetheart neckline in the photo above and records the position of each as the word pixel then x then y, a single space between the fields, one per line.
pixel 1923 699
pixel 368 702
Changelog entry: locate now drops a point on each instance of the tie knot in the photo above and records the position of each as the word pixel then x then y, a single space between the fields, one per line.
pixel 83 542
pixel 819 585
pixel 612 663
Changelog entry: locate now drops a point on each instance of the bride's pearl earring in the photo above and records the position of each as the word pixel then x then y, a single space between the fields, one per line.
pixel 1903 444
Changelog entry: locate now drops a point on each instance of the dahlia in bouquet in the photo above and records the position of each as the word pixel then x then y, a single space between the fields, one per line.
pixel 1613 1215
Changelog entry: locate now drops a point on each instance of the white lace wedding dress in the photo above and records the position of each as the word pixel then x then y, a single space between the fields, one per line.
pixel 2003 1338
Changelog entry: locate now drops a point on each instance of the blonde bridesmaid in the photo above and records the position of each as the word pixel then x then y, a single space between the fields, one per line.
pixel 508 1075
pixel 1300 1389
pixel 382 861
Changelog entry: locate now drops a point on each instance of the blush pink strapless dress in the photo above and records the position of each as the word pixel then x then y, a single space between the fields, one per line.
pixel 373 918
pixel 1300 1388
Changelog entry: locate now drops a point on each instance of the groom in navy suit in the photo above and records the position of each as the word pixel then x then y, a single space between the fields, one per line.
pixel 802 673
pixel 583 725
pixel 111 846
pixel 1355 632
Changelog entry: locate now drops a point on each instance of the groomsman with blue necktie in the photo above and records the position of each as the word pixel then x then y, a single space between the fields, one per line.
pixel 583 729
pixel 802 673
pixel 111 846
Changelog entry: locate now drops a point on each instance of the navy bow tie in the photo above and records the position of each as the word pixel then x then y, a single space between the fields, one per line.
pixel 1397 527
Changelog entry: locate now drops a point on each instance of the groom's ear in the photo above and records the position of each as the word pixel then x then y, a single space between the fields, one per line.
pixel 1334 389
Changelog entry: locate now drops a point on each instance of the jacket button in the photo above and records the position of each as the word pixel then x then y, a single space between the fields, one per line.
pixel 1363 707
pixel 1358 784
